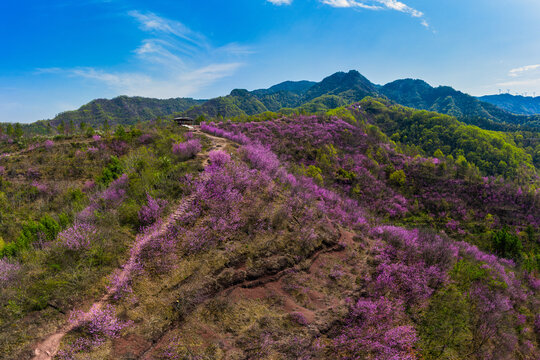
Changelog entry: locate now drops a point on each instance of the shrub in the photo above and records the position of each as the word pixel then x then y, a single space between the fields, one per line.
pixel 78 236
pixel 188 149
pixel 373 331
pixel 150 212
pixel 398 178
pixel 8 270
pixel 44 230
pixel 111 172
pixel 94 327
pixel 506 244
pixel 48 144
pixel 219 158
pixel 260 157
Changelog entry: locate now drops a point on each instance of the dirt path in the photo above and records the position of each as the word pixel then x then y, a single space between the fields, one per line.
pixel 217 143
pixel 48 348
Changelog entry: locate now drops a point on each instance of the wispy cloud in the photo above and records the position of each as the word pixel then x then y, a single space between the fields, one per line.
pixel 399 6
pixel 524 78
pixel 524 69
pixel 280 2
pixel 157 24
pixel 174 61
pixel 378 5
pixel 525 83
pixel 350 4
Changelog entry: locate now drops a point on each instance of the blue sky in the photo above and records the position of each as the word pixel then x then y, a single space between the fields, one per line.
pixel 58 55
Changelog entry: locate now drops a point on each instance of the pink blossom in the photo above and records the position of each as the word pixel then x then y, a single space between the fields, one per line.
pixel 187 149
pixel 48 144
pixel 78 236
pixel 8 271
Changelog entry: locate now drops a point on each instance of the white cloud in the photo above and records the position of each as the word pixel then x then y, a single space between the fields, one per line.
pixel 157 24
pixel 350 4
pixel 180 84
pixel 399 6
pixel 174 62
pixel 521 79
pixel 521 83
pixel 524 69
pixel 377 5
pixel 280 2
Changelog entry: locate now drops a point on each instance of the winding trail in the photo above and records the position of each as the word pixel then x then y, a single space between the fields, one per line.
pixel 48 348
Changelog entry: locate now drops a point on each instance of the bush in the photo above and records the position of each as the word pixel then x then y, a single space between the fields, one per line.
pixel 398 178
pixel 43 230
pixel 188 149
pixel 111 172
pixel 151 212
pixel 506 244
pixel 129 214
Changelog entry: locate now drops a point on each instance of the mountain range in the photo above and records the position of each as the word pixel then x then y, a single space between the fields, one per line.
pixel 305 96
pixel 516 104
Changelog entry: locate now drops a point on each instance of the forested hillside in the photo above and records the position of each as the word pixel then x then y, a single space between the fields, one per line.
pixel 515 104
pixel 345 88
pixel 303 97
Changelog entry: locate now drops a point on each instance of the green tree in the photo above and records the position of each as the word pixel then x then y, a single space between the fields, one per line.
pixel 200 119
pixel 89 131
pixel 61 128
pixel 111 172
pixel 506 244
pixel 9 130
pixel 71 126
pixel 398 178
pixel 106 126
pixel 444 330
pixel 18 131
pixel 120 133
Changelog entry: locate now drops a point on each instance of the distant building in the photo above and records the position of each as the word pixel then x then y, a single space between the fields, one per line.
pixel 184 121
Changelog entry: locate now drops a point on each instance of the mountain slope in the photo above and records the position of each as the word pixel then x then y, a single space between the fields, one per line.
pixel 443 99
pixel 514 104
pixel 351 86
pixel 238 102
pixel 124 110
pixel 297 87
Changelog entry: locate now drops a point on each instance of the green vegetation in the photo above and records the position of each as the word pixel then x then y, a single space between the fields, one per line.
pixel 429 133
pixel 315 229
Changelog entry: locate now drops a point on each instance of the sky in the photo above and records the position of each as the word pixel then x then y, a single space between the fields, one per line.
pixel 57 55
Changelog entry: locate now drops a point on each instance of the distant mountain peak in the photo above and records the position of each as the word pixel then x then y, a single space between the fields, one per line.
pixel 517 104
pixel 240 92
pixel 351 86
